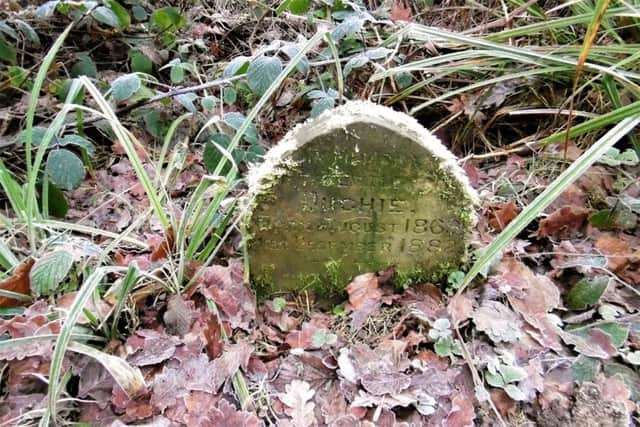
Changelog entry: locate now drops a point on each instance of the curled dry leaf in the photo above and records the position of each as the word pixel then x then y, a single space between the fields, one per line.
pixel 18 282
pixel 564 222
pixel 364 297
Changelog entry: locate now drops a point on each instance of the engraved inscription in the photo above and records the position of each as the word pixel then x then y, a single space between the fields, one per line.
pixel 359 198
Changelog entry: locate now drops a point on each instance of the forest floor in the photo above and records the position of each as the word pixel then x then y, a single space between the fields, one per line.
pixel 123 293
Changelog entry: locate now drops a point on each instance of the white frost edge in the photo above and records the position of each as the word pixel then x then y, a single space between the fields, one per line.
pixel 340 117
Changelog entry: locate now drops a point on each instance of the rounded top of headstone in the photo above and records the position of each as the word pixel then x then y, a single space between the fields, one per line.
pixel 357 189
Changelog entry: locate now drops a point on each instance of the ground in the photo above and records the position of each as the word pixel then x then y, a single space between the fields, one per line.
pixel 126 132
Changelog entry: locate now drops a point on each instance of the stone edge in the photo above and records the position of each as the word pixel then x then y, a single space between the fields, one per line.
pixel 277 160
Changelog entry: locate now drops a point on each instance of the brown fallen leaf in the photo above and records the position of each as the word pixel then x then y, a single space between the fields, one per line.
pixel 616 250
pixel 364 297
pixel 401 11
pixel 564 222
pixel 503 215
pixel 18 282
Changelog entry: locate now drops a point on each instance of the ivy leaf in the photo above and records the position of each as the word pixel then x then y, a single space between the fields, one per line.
pixel 49 271
pixel 262 72
pixel 125 86
pixel 65 169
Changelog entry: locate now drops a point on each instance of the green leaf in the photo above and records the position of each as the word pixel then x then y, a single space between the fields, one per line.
pixel 355 62
pixel 587 292
pixel 234 120
pixel 262 72
pixel 28 31
pixel 403 80
pixel 78 141
pixel 167 19
pixel 7 51
pixel 140 63
pixel 49 271
pixel 322 105
pixel 279 304
pixel 494 380
pixel 291 50
pixel 209 103
pixel 125 86
pixel 139 13
pixel 19 77
pixel 37 135
pixel 619 218
pixel 514 392
pixel 84 66
pixel 237 66
pixel 297 7
pixel 613 157
pixel 512 374
pixel 616 331
pixel 65 169
pixel 585 369
pixel 56 201
pixel 107 16
pixel 229 95
pixel 186 99
pixel 124 20
pixel 350 25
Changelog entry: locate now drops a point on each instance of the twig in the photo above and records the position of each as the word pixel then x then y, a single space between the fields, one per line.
pixel 502 22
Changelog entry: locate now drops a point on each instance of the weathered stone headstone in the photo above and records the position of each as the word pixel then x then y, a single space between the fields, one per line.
pixel 358 189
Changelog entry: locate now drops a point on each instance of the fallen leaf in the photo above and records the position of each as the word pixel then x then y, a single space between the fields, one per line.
pixel 297 397
pixel 498 322
pixel 401 11
pixel 615 249
pixel 564 222
pixel 503 215
pixel 364 298
pixel 18 282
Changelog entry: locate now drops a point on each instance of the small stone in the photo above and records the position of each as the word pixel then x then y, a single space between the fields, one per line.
pixel 357 189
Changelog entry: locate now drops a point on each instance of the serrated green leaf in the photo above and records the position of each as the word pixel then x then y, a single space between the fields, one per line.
pixel 49 271
pixel 587 292
pixel 125 86
pixel 65 169
pixel 292 50
pixel 262 72
pixel 84 66
pixel 613 157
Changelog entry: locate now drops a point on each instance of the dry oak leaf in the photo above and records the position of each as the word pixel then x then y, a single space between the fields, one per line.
pixel 401 11
pixel 297 398
pixel 18 282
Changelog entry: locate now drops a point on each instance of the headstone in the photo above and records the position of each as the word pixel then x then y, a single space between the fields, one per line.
pixel 359 188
